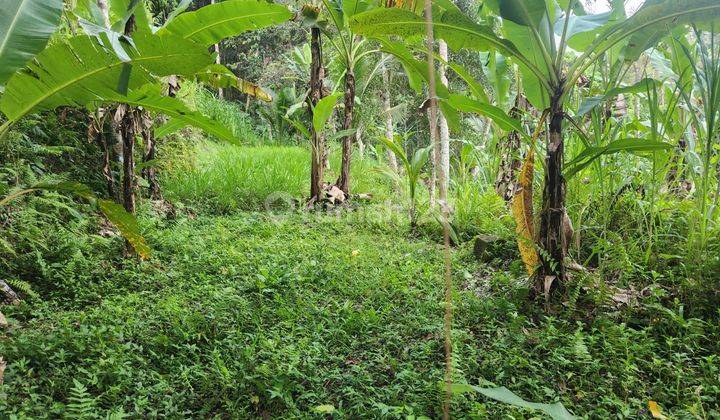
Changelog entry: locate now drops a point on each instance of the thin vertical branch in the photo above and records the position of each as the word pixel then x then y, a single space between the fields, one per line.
pixel 444 208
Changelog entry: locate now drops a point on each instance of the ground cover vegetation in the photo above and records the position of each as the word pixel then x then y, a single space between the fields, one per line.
pixel 243 209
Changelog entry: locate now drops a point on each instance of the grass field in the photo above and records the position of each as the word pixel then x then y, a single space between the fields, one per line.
pixel 228 178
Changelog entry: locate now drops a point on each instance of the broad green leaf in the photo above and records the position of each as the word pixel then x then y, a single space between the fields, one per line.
pixel 648 25
pixel 631 145
pixel 352 7
pixel 581 40
pixel 640 87
pixel 499 117
pixel 532 48
pixel 215 22
pixel 582 30
pixel 340 134
pixel 181 7
pixel 557 411
pixel 80 71
pixel 476 88
pixel 589 103
pixel 105 36
pixel 523 12
pixel 25 28
pixel 397 151
pixel 657 17
pixel 498 74
pixel 577 6
pixel 451 25
pixel 171 126
pixel 451 115
pixel 681 60
pixel 118 14
pixel 416 70
pixel 419 159
pixel 323 110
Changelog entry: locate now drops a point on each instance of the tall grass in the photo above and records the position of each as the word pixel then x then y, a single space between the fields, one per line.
pixel 229 114
pixel 226 177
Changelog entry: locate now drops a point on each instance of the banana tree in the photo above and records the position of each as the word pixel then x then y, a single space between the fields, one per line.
pixel 541 39
pixel 310 17
pixel 351 50
pixel 114 64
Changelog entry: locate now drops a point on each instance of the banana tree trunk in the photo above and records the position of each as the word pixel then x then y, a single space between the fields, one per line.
pixel 551 275
pixel 343 181
pixel 116 153
pixel 128 129
pixel 317 167
pixel 149 172
pixel 444 152
pixel 110 151
pixel 98 125
pixel 506 180
pixel 392 160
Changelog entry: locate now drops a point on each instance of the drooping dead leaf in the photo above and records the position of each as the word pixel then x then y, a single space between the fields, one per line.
pixel 547 285
pixel 3 321
pixel 567 231
pixel 655 410
pixel 3 363
pixel 253 90
pixel 522 210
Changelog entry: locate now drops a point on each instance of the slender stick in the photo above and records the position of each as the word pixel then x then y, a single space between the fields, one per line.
pixel 444 208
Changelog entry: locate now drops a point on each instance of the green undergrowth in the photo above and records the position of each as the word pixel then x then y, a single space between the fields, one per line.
pixel 226 178
pixel 287 315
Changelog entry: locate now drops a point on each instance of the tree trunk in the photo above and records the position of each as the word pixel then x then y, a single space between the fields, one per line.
pixel 317 167
pixel 96 133
pixel 107 147
pixel 116 149
pixel 149 172
pixel 506 180
pixel 444 140
pixel 128 129
pixel 343 181
pixel 392 160
pixel 551 275
pixel 433 160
